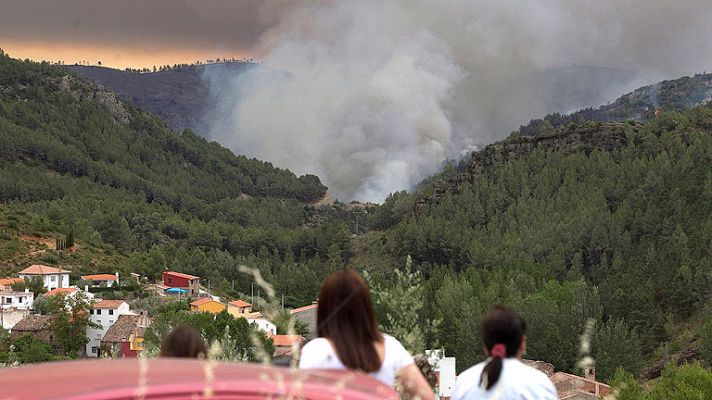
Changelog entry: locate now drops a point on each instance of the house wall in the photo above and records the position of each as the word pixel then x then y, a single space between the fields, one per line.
pixel 19 300
pixel 238 311
pixel 264 325
pixel 104 317
pixel 51 281
pixel 212 307
pixel 171 280
pixel 11 317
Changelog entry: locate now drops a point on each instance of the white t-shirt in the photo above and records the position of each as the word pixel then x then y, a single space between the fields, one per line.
pixel 318 354
pixel 517 381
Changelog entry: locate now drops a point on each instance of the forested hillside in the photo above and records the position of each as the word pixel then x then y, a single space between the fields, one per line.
pixel 642 104
pixel 181 95
pixel 77 161
pixel 603 221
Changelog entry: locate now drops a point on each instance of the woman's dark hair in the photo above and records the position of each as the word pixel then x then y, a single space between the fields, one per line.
pixel 345 316
pixel 183 342
pixel 504 327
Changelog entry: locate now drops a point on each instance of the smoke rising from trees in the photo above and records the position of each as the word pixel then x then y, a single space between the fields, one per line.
pixel 378 94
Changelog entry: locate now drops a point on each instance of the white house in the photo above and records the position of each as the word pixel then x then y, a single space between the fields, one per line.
pixel 103 313
pixel 262 323
pixel 10 299
pixel 52 277
pixel 71 292
pixel 102 280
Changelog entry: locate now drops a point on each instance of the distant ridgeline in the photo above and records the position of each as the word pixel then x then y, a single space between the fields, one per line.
pixel 53 120
pixel 641 104
pixel 139 197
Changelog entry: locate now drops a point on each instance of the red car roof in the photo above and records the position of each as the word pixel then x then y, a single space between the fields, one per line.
pixel 174 378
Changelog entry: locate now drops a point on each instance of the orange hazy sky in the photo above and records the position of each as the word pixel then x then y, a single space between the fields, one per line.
pixel 114 56
pixel 136 33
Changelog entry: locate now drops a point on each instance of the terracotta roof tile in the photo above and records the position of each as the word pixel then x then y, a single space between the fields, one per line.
pixel 202 301
pixel 240 303
pixel 286 340
pixel 10 281
pixel 181 275
pixel 124 326
pixel 112 304
pixel 33 323
pixel 38 269
pixel 302 309
pixel 65 291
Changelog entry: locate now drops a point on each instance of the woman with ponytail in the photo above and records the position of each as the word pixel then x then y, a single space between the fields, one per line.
pixel 502 375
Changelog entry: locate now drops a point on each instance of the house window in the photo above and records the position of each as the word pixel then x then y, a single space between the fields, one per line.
pixel 98 335
pixel 53 278
pixel 91 311
pixel 8 300
pixel 95 350
pixel 111 322
pixel 111 312
pixel 98 312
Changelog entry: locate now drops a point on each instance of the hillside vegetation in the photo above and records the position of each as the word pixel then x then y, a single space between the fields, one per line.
pixel 604 221
pixel 74 159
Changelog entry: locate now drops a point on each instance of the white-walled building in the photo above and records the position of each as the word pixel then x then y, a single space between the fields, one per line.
pixel 18 300
pixel 103 313
pixel 261 323
pixel 51 276
pixel 102 280
pixel 445 369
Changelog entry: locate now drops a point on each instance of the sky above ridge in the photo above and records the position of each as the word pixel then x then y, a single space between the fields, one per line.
pixel 135 33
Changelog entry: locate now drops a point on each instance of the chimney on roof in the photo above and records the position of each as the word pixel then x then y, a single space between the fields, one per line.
pixel 27 290
pixel 591 374
pixel 86 288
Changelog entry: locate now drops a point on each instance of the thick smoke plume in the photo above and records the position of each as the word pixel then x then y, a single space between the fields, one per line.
pixel 376 94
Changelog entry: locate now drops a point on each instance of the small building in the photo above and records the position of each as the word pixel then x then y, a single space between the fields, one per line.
pixel 207 304
pixel 6 283
pixel 256 319
pixel 125 337
pixel 191 283
pixel 102 280
pixel 284 344
pixel 11 316
pixel 38 326
pixel 306 315
pixel 52 277
pixel 104 313
pixel 239 308
pixel 574 387
pixel 20 300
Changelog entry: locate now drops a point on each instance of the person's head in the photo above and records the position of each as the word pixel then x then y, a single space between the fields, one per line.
pixel 183 342
pixel 345 316
pixel 503 335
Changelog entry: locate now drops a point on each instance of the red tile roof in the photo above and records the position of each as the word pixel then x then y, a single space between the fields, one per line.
pixel 38 269
pixel 305 308
pixel 240 303
pixel 113 304
pixel 202 301
pixel 65 291
pixel 181 275
pixel 10 281
pixel 100 277
pixel 286 340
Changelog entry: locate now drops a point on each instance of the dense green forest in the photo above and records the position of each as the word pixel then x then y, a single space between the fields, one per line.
pixel 602 222
pixel 567 230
